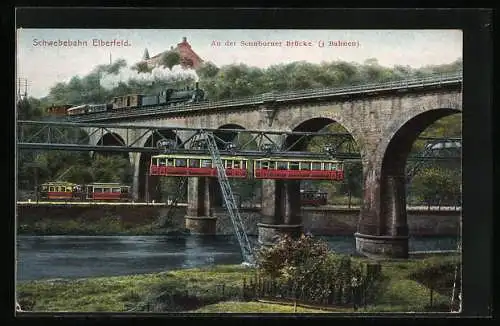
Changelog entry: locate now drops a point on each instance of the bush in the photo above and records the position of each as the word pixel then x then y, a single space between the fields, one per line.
pixel 287 254
pixel 313 271
pixel 438 275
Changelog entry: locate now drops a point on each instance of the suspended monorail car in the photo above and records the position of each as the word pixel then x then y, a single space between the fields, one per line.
pixel 197 166
pixel 241 167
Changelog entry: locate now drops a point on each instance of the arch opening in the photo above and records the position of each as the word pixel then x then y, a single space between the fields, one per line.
pixel 247 191
pixel 110 139
pixel 347 192
pixel 419 171
pixel 108 166
pixel 223 137
pixel 159 189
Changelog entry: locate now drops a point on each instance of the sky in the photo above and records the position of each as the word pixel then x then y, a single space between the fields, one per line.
pixel 43 64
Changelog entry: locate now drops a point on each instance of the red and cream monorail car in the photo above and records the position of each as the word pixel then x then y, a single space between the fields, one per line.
pixel 298 168
pixel 197 166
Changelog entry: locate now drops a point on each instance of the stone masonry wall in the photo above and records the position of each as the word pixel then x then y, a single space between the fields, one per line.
pixel 316 221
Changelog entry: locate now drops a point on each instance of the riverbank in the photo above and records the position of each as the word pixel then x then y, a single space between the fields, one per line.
pixel 218 289
pixel 100 219
pixel 108 225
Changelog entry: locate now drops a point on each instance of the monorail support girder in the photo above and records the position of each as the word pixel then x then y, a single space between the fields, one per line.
pixel 28 131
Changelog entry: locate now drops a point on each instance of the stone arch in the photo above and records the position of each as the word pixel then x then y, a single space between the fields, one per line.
pixel 383 227
pixel 398 144
pixel 143 160
pixel 315 124
pixel 404 130
pixel 222 138
pixel 352 182
pixel 227 136
pixel 111 139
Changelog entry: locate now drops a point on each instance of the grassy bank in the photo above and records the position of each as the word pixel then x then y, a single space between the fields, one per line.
pixel 103 226
pixel 216 289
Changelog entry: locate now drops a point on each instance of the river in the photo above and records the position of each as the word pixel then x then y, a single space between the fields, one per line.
pixel 49 257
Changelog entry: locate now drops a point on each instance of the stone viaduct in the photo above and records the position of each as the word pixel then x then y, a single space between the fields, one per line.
pixel 384 125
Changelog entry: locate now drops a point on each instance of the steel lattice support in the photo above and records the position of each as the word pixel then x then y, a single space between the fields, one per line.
pixel 436 149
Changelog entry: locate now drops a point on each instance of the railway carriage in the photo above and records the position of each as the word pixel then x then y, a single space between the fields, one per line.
pixel 68 191
pixel 105 192
pixel 77 110
pixel 95 108
pixel 313 197
pixel 298 168
pixel 127 101
pixel 56 191
pixel 58 110
pixel 197 166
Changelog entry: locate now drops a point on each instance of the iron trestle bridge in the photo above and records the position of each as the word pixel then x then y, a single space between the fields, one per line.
pixel 43 135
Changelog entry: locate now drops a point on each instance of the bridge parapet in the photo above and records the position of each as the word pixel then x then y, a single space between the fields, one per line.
pixel 282 97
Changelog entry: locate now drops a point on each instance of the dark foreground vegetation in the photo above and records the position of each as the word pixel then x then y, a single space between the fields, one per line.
pixel 107 225
pixel 295 276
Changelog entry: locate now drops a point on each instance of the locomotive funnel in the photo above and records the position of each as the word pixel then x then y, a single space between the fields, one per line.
pixel 196 85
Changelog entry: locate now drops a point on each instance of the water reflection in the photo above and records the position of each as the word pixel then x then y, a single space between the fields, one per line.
pixel 42 257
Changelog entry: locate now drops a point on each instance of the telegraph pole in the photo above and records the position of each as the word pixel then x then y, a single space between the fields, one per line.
pixel 20 82
pixel 146 192
pixel 99 84
pixel 36 183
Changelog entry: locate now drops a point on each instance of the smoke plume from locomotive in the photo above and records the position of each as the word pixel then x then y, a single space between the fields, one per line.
pixel 126 75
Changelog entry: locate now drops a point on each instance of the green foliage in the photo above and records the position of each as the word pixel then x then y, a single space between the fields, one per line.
pixel 169 187
pixel 113 68
pixel 207 70
pixel 29 108
pixel 237 80
pixel 283 259
pixel 170 59
pixel 353 171
pixel 438 274
pixel 353 179
pixel 142 67
pixel 77 167
pixel 240 80
pixel 400 291
pixel 451 126
pixel 312 269
pixel 433 184
pixel 256 307
pixel 111 168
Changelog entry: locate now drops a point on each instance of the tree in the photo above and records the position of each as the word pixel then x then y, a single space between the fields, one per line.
pixel 433 185
pixel 29 109
pixel 170 59
pixel 207 70
pixel 111 168
pixel 353 180
pixel 115 67
pixel 142 67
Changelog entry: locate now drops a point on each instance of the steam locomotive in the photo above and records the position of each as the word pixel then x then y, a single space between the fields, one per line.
pixel 167 97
